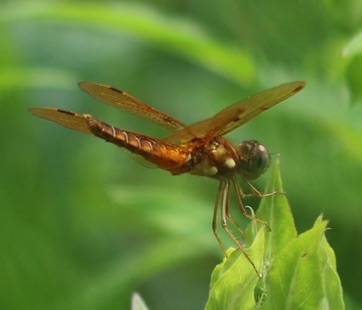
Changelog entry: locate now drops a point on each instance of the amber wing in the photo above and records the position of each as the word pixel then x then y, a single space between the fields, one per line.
pixel 236 114
pixel 121 100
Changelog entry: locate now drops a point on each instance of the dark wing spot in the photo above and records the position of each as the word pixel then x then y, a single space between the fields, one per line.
pixel 297 89
pixel 116 90
pixel 66 112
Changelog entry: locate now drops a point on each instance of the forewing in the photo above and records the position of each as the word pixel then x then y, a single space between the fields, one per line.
pixel 121 100
pixel 236 114
pixel 65 118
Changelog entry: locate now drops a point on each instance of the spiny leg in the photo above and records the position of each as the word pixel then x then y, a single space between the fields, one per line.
pixel 224 216
pixel 214 218
pixel 228 214
pixel 223 188
pixel 240 195
pixel 257 193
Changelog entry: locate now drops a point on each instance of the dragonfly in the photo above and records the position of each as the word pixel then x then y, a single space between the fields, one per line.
pixel 199 149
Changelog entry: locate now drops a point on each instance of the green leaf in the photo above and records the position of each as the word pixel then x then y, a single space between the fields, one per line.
pixel 234 280
pixel 303 275
pixel 275 210
pixel 294 278
pixel 298 272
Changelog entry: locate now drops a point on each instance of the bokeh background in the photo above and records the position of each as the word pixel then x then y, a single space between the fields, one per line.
pixel 82 225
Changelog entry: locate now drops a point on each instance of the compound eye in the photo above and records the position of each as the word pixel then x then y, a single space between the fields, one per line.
pixel 254 159
pixel 260 161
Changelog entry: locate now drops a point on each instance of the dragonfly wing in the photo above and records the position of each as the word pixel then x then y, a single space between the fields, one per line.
pixel 65 118
pixel 243 111
pixel 236 114
pixel 121 100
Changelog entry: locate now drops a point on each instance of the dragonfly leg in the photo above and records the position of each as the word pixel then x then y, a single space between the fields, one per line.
pixel 225 215
pixel 214 218
pixel 240 195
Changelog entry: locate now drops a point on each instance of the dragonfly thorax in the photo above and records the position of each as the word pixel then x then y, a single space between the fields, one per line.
pixel 217 159
pixel 254 159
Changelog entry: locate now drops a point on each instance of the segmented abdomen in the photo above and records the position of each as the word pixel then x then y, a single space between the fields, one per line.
pixel 163 155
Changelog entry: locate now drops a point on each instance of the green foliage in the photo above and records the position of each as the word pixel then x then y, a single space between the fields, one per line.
pixel 298 272
pixel 187 39
pixel 83 226
pixel 354 47
pixel 353 52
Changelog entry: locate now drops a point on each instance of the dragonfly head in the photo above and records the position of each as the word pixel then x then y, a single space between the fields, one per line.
pixel 254 159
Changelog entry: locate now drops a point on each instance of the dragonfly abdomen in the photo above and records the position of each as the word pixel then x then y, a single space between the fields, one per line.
pixel 161 154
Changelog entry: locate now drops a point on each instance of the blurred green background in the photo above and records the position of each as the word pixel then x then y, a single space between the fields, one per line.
pixel 82 224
